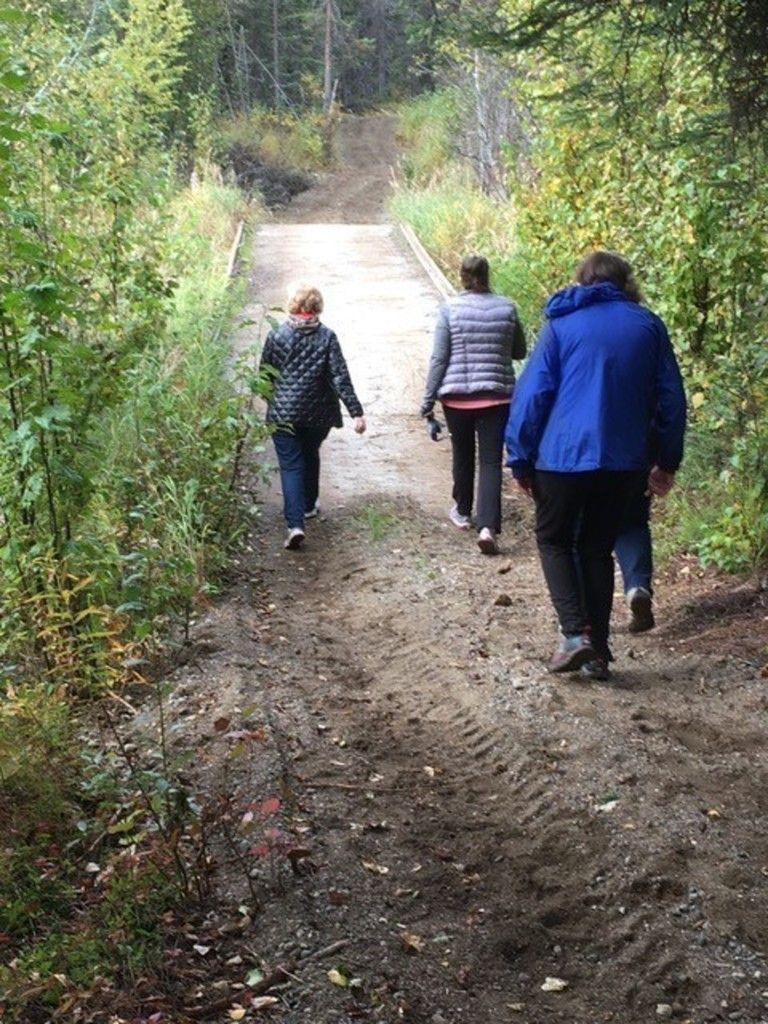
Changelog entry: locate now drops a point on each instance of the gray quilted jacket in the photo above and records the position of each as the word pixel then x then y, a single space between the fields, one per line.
pixel 477 336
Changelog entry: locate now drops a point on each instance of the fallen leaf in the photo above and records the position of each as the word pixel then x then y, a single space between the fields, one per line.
pixel 337 978
pixel 237 1013
pixel 430 771
pixel 253 977
pixel 262 1002
pixel 376 869
pixel 502 601
pixel 554 985
pixel 413 943
pixel 713 813
pixel 202 950
pixel 608 806
pixel 221 725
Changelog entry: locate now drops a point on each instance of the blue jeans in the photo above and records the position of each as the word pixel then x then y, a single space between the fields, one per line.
pixel 633 545
pixel 298 455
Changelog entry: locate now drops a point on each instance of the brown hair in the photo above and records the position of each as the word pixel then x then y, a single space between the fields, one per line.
pixel 304 298
pixel 475 274
pixel 603 265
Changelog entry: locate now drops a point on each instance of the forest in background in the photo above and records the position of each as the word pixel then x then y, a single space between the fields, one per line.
pixel 534 132
pixel 557 128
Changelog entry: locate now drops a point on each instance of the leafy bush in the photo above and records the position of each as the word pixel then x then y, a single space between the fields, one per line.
pixel 293 140
pixel 427 130
pixel 688 205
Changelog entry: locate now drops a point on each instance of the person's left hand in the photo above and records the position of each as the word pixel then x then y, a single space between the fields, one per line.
pixel 359 424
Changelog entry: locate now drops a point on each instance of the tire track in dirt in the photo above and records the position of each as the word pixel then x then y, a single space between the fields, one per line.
pixel 515 861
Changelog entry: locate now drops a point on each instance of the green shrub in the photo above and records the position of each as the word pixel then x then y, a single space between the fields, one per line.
pixel 292 140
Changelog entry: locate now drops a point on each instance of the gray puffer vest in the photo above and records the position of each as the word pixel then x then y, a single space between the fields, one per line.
pixel 477 336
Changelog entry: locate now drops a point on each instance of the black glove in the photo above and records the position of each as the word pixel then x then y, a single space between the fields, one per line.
pixel 434 427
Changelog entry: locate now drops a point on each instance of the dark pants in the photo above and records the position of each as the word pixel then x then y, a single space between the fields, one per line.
pixel 578 516
pixel 633 544
pixel 488 426
pixel 298 454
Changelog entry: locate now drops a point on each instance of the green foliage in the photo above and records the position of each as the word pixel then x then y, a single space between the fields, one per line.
pixel 379 522
pixel 122 429
pixel 280 139
pixel 64 920
pixel 426 130
pixel 630 151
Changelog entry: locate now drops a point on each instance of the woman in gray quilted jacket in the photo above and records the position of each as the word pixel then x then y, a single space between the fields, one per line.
pixel 310 376
pixel 477 336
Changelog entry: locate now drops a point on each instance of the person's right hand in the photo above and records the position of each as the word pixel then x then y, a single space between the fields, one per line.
pixel 660 482
pixel 359 424
pixel 525 484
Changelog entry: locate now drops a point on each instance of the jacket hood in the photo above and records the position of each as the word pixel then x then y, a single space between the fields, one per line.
pixel 579 296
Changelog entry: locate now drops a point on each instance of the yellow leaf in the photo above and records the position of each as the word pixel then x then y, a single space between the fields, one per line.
pixel 337 978
pixel 413 943
pixel 698 400
pixel 376 869
pixel 237 1013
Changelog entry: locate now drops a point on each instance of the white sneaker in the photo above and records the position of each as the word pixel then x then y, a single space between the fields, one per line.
pixel 313 512
pixel 458 520
pixel 486 541
pixel 294 540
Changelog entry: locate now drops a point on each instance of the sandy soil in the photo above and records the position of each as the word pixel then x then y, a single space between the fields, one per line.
pixel 465 824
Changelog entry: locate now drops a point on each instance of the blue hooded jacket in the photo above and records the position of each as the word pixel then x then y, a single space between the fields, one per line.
pixel 601 390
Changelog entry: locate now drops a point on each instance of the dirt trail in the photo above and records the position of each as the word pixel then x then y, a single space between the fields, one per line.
pixel 471 825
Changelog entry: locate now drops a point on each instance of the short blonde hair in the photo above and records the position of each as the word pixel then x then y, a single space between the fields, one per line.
pixel 304 298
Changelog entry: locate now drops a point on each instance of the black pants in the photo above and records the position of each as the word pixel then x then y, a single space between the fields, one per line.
pixel 578 516
pixel 488 426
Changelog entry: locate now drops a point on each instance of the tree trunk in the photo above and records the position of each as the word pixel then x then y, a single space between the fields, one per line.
pixel 276 51
pixel 327 56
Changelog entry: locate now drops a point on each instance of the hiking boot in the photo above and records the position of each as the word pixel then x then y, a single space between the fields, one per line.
pixel 459 521
pixel 294 540
pixel 596 669
pixel 486 541
pixel 574 651
pixel 313 513
pixel 640 610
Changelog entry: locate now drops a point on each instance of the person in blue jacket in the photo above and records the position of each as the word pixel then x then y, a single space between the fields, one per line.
pixel 600 401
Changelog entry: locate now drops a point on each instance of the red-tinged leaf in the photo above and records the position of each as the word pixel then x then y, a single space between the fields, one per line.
pixel 273 834
pixel 270 806
pixel 262 850
pixel 221 724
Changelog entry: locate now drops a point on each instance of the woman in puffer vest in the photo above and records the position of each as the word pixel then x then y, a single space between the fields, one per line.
pixel 310 376
pixel 477 336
